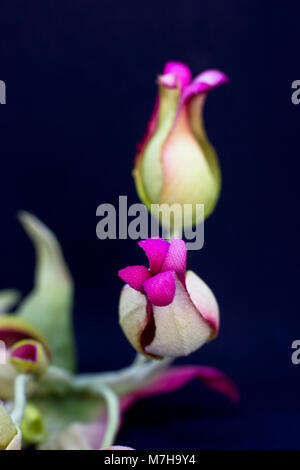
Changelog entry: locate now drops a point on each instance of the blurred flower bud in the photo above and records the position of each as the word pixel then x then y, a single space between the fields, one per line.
pixel 8 431
pixel 164 311
pixel 175 161
pixel 14 329
pixel 33 427
pixel 29 357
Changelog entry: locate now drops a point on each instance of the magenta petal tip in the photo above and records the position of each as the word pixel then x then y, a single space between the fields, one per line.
pixel 135 276
pixel 180 71
pixel 156 250
pixel 160 289
pixel 204 83
pixel 26 352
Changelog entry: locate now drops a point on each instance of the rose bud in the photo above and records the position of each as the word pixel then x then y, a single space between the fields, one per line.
pixel 175 162
pixel 10 436
pixel 165 311
pixel 29 357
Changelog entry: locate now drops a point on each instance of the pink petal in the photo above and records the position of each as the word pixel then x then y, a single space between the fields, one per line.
pixel 26 352
pixel 135 276
pixel 156 250
pixel 180 71
pixel 160 289
pixel 204 82
pixel 176 377
pixel 176 259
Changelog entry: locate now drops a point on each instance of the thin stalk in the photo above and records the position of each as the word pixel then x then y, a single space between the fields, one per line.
pixel 20 398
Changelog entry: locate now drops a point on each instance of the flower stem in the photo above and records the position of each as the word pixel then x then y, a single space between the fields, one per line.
pixel 113 408
pixel 20 398
pixel 127 379
pixel 121 381
pixel 139 359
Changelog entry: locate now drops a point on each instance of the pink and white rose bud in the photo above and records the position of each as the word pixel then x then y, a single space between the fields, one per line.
pixel 165 311
pixel 176 162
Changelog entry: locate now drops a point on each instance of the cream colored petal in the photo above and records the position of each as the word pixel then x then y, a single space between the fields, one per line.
pixel 16 443
pixel 190 168
pixel 180 329
pixel 132 315
pixel 203 299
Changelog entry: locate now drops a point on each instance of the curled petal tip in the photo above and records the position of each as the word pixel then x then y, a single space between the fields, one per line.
pixel 160 289
pixel 212 78
pixel 175 259
pixel 204 83
pixel 180 71
pixel 168 80
pixel 135 276
pixel 156 250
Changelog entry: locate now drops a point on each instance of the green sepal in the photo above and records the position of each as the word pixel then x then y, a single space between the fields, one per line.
pixel 8 299
pixel 49 306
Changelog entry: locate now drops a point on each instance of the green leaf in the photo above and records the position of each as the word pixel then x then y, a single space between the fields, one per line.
pixel 8 299
pixel 49 306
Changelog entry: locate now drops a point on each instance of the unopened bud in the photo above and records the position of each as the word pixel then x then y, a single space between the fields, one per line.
pixel 33 427
pixel 29 357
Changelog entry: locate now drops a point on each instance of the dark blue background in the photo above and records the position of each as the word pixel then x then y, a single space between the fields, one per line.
pixel 80 78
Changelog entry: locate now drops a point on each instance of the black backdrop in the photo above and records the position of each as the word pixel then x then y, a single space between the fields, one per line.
pixel 80 79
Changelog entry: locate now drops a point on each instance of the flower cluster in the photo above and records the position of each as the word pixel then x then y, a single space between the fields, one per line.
pixel 165 311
